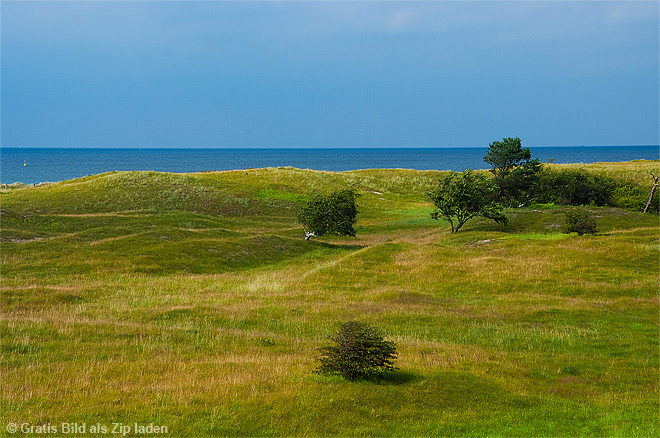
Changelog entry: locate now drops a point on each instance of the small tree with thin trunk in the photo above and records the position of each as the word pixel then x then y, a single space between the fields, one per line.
pixel 461 196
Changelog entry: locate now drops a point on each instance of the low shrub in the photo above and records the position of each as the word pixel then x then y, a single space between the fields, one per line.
pixel 575 187
pixel 359 351
pixel 579 220
pixel 629 197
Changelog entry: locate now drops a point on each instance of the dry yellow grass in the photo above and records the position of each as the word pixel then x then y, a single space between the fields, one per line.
pixel 499 332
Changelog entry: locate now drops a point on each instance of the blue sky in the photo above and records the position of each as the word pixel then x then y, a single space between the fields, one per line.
pixel 328 74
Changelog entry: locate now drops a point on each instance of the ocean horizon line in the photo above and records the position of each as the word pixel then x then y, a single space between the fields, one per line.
pixel 309 147
pixel 37 165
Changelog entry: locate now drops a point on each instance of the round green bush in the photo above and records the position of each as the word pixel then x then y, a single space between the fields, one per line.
pixel 579 220
pixel 359 350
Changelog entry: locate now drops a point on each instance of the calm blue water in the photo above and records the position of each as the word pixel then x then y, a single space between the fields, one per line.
pixel 35 165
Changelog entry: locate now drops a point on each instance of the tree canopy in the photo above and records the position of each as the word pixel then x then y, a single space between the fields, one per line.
pixel 515 172
pixel 335 213
pixel 461 196
pixel 506 154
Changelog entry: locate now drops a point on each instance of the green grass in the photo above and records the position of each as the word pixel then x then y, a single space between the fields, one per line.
pixel 193 302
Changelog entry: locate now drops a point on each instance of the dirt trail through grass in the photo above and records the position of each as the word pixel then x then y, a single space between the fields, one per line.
pixel 335 262
pixel 130 213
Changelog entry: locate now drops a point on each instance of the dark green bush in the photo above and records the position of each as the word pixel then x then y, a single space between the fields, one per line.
pixel 575 187
pixel 335 213
pixel 359 351
pixel 579 220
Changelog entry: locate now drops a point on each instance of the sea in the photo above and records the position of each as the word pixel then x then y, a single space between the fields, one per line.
pixel 39 165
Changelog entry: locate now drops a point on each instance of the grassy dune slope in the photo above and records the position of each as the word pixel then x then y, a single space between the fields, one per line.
pixel 192 301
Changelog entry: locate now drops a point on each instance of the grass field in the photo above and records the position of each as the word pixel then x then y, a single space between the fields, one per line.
pixel 193 302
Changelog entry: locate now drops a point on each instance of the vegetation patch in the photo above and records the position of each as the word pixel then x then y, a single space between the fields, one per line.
pixel 194 301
